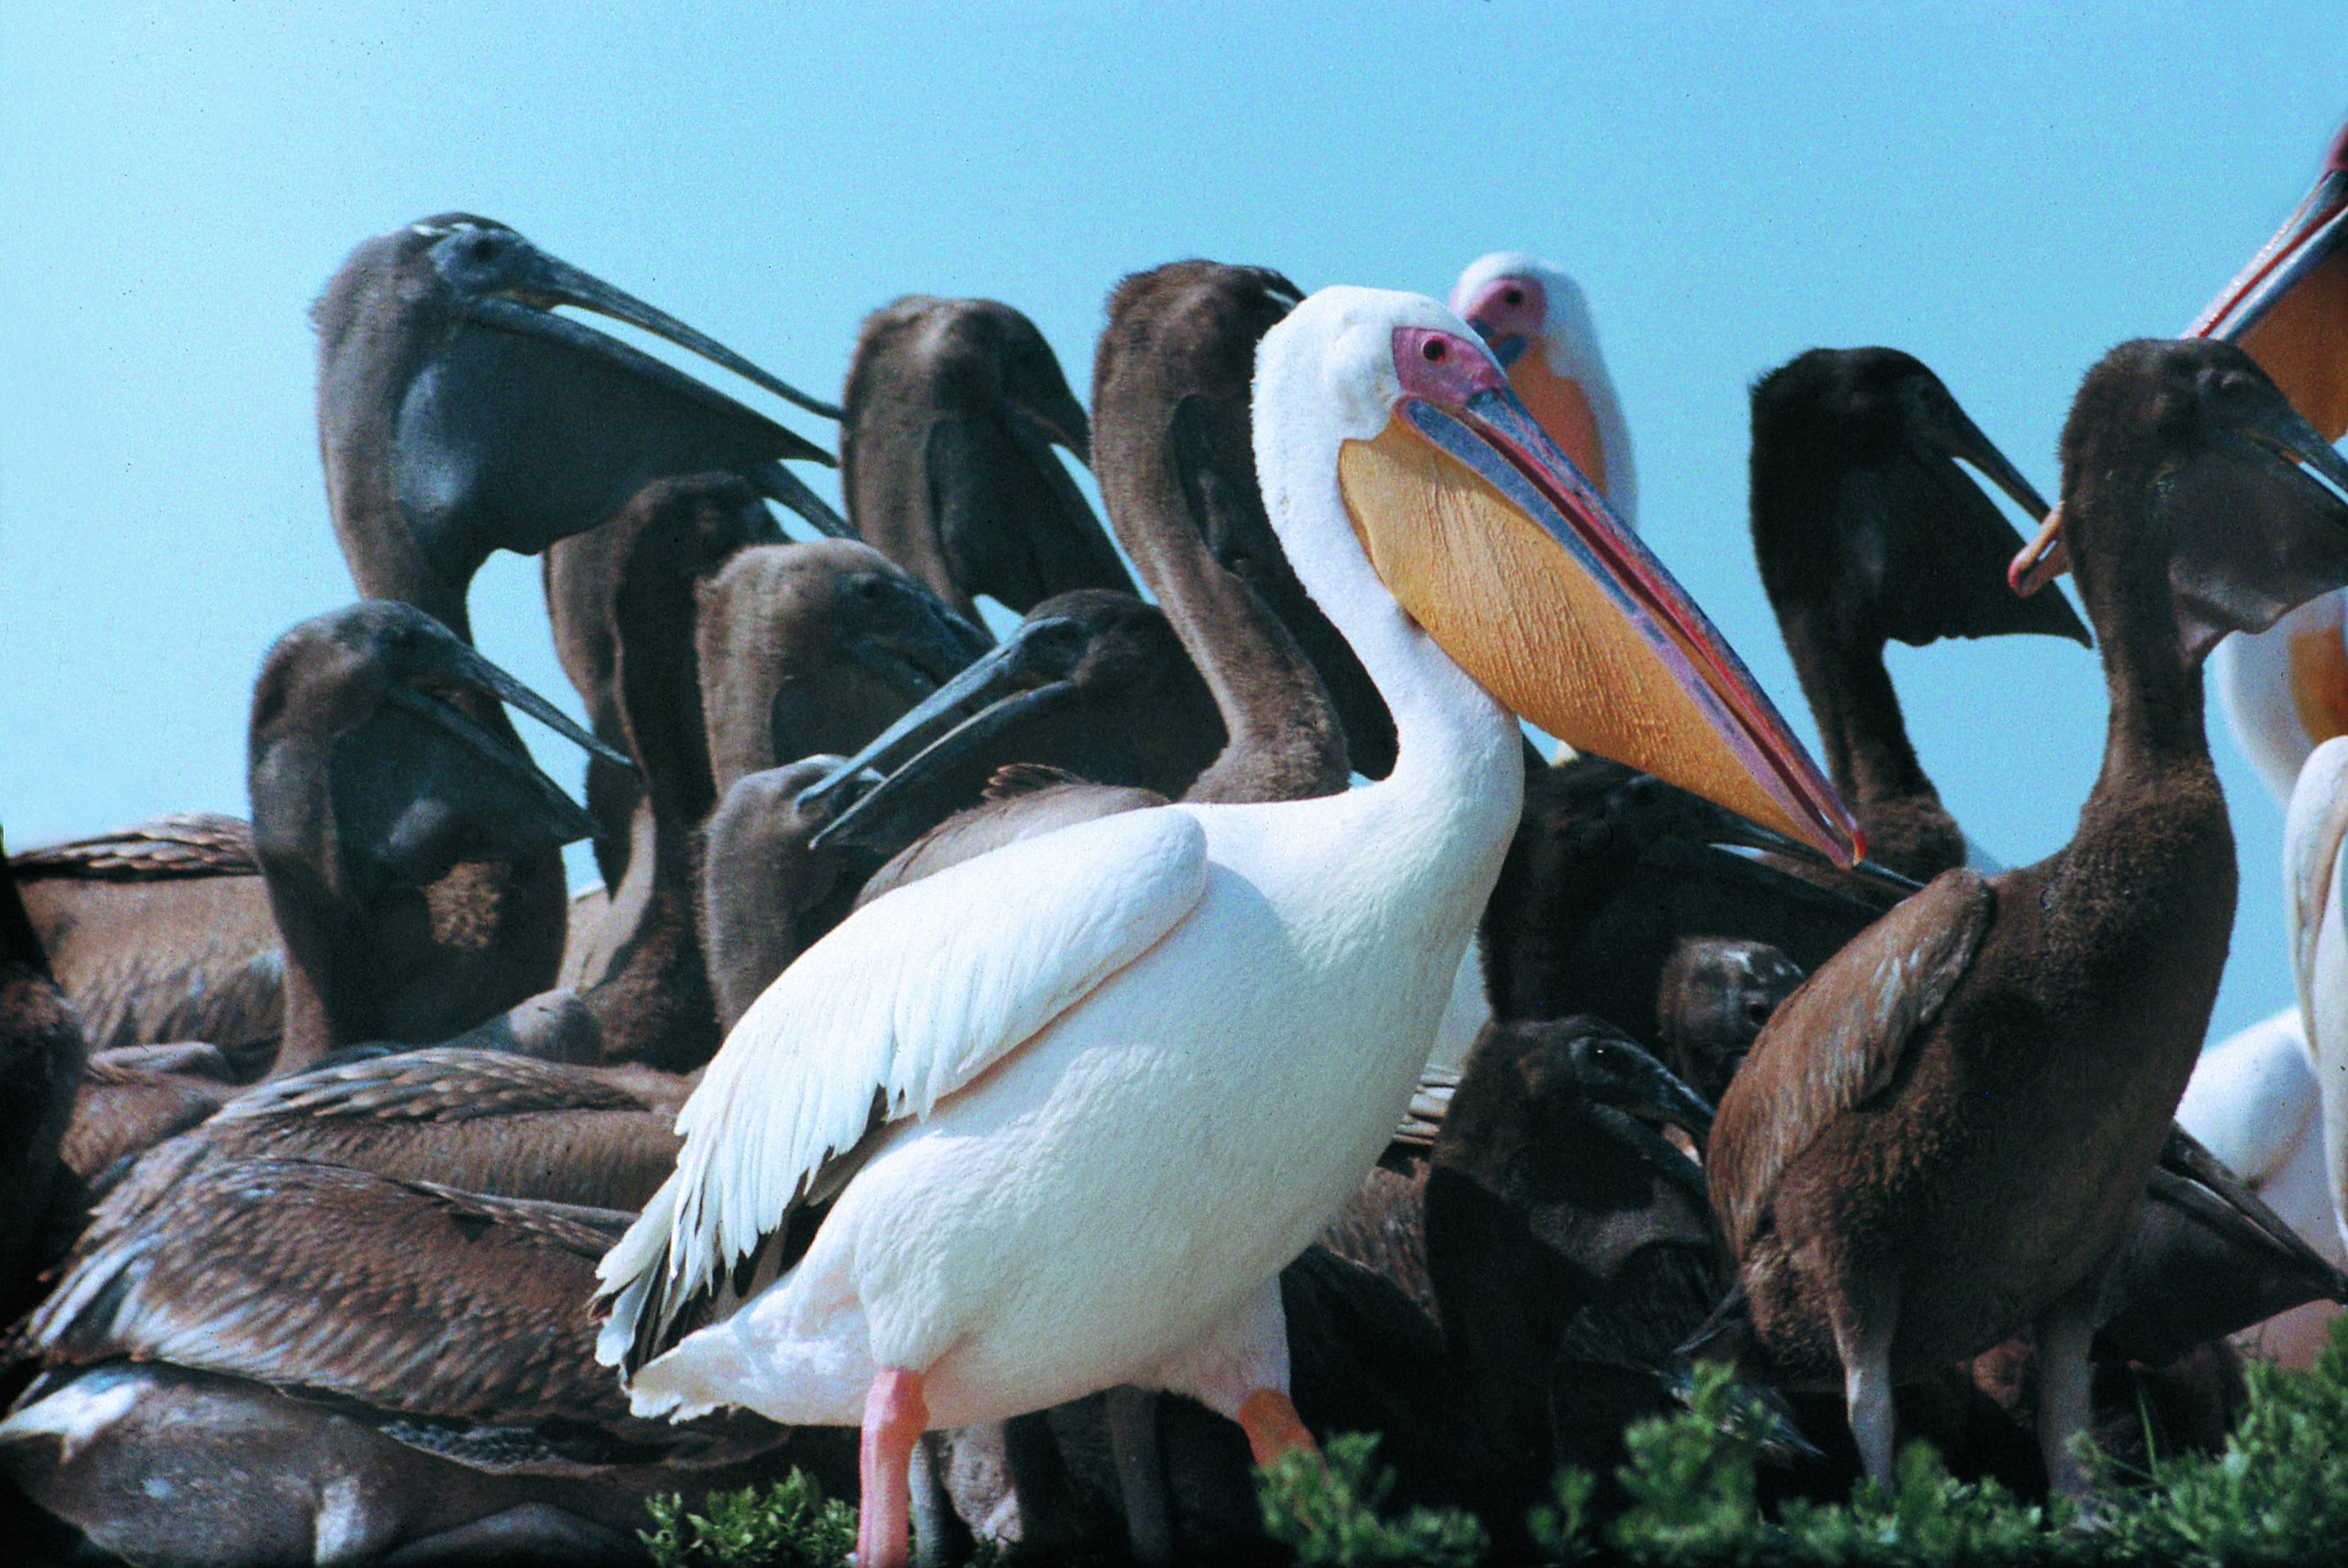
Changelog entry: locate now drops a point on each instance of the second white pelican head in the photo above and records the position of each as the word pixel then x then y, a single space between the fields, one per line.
pixel 1537 322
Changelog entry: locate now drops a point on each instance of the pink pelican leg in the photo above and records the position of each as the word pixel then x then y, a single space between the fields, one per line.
pixel 895 1414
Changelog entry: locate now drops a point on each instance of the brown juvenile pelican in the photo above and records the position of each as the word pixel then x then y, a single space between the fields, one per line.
pixel 637 974
pixel 816 648
pixel 280 1361
pixel 1569 1248
pixel 953 408
pixel 1173 384
pixel 819 609
pixel 2204 1255
pixel 457 414
pixel 1942 1135
pixel 1866 530
pixel 767 890
pixel 368 784
pixel 584 582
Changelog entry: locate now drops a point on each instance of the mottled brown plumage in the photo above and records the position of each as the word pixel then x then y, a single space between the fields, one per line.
pixel 482 1122
pixel 297 1319
pixel 124 1110
pixel 183 843
pixel 162 931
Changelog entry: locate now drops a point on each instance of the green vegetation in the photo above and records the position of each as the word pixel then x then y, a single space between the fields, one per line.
pixel 2277 1495
pixel 793 1525
pixel 1325 1510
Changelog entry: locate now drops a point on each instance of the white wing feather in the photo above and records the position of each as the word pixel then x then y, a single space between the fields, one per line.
pixel 911 998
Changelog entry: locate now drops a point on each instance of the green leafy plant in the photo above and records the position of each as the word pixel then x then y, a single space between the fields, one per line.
pixel 791 1525
pixel 1326 1509
pixel 1562 1533
pixel 1930 1520
pixel 1690 1481
pixel 2277 1494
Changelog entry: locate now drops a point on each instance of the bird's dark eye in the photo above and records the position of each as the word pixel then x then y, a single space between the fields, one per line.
pixel 870 591
pixel 1514 296
pixel 1434 350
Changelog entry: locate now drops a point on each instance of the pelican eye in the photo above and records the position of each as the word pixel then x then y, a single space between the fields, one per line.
pixel 1514 296
pixel 1434 351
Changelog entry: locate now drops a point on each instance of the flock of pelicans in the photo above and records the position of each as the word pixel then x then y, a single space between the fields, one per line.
pixel 1021 1083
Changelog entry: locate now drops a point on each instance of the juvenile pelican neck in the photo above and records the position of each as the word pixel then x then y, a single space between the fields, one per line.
pixel 1859 720
pixel 369 349
pixel 1284 740
pixel 2157 701
pixel 2147 885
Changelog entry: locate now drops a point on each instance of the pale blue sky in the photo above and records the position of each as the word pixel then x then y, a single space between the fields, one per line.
pixel 2004 192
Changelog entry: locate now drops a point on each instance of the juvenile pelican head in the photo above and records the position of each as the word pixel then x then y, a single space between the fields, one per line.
pixel 1539 328
pixel 1484 535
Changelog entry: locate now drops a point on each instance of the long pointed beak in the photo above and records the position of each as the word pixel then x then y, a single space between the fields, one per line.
pixel 1490 538
pixel 1011 660
pixel 2280 431
pixel 1064 423
pixel 500 754
pixel 1951 432
pixel 467 665
pixel 1506 349
pixel 1668 1099
pixel 551 281
pixel 1039 437
pixel 2042 560
pixel 2237 1204
pixel 1741 834
pixel 868 820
